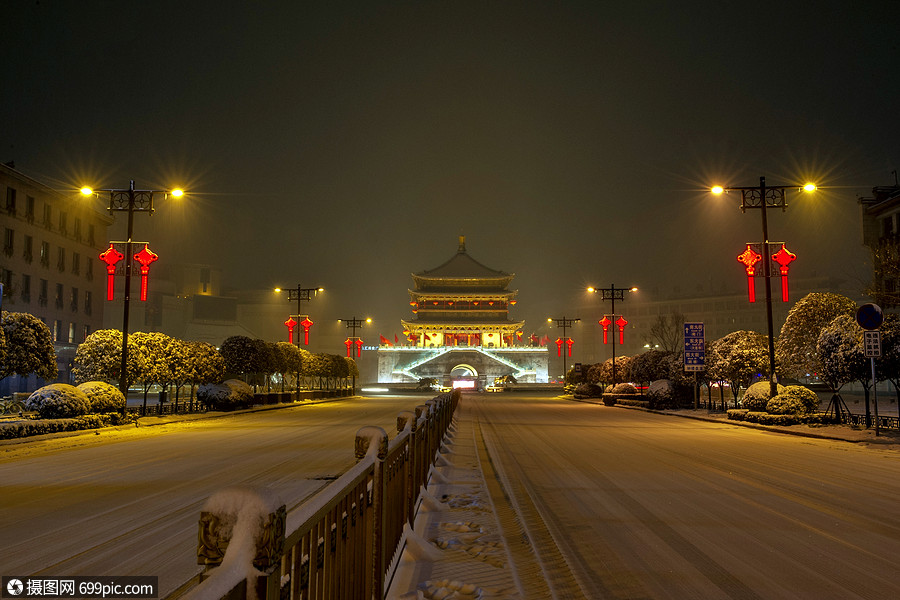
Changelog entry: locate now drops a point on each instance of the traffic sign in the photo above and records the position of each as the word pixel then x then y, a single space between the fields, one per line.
pixel 694 347
pixel 872 342
pixel 869 316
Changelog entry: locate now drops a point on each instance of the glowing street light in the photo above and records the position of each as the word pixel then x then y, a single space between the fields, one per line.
pixel 131 200
pixel 765 197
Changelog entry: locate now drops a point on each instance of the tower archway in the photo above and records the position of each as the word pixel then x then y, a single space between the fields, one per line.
pixel 463 370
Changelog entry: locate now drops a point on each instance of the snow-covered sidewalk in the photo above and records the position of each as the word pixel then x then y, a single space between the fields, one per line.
pixel 456 550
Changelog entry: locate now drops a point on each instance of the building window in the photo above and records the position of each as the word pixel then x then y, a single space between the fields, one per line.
pixel 63 222
pixel 76 263
pixel 90 239
pixel 77 229
pixel 6 277
pixel 88 303
pixel 85 332
pixel 73 299
pixel 59 295
pixel 27 252
pixel 71 333
pixel 45 254
pixel 42 297
pixel 90 270
pixel 8 238
pixel 48 212
pixel 57 328
pixel 61 259
pixel 29 208
pixel 11 200
pixel 26 288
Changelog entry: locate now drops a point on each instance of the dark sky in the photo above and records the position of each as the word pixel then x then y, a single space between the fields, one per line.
pixel 349 144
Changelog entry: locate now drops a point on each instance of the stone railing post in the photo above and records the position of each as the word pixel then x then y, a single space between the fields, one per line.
pixel 374 441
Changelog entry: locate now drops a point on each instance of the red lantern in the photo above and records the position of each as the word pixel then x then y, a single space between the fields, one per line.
pixel 290 324
pixel 749 258
pixel 359 345
pixel 349 343
pixel 306 324
pixel 559 344
pixel 605 322
pixel 145 257
pixel 621 322
pixel 784 257
pixel 570 343
pixel 111 256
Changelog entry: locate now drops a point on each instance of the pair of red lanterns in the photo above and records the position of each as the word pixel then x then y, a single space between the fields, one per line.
pixel 305 324
pixel 111 256
pixel 750 257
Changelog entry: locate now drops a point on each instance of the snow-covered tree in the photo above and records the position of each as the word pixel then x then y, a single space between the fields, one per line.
pixel 152 353
pixel 650 366
pixel 842 355
pixel 667 332
pixel 738 358
pixel 795 351
pixel 59 401
pixel 104 397
pixel 888 366
pixel 238 352
pixel 99 357
pixel 29 347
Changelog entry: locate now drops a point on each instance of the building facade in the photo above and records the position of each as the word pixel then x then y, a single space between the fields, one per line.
pixel 461 330
pixel 881 234
pixel 49 265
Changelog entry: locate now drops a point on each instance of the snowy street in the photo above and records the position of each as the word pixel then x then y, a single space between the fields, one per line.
pixel 620 503
pixel 128 502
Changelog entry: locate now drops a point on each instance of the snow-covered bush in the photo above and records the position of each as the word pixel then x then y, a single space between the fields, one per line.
pixel 59 401
pixel 757 396
pixel 104 397
pixel 228 395
pixel 623 388
pixel 588 390
pixel 794 400
pixel 661 393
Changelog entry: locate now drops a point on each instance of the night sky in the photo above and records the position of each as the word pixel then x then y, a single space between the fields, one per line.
pixel 572 143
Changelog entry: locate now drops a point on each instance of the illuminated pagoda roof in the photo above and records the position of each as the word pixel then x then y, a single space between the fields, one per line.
pixel 462 271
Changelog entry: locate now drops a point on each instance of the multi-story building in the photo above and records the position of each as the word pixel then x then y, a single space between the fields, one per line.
pixel 881 233
pixel 49 265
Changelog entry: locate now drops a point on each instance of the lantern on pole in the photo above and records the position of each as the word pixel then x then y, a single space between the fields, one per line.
pixel 621 322
pixel 145 257
pixel 559 344
pixel 290 324
pixel 570 343
pixel 306 324
pixel 111 256
pixel 359 345
pixel 605 322
pixel 784 257
pixel 349 343
pixel 749 258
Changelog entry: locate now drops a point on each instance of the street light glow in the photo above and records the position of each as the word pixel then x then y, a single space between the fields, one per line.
pixel 717 189
pixel 809 187
pixel 177 192
pixel 86 191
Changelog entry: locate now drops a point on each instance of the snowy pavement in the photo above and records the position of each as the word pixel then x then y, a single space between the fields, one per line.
pixel 504 521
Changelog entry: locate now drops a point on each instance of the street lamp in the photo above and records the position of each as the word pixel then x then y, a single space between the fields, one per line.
pixel 764 197
pixel 300 294
pixel 564 323
pixel 612 293
pixel 130 200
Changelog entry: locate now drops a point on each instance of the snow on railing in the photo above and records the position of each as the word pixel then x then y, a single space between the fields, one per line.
pixel 343 542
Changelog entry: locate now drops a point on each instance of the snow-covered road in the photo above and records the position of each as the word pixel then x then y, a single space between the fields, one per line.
pixel 127 502
pixel 620 503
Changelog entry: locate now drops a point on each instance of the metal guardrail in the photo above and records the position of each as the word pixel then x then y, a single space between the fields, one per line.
pixel 345 541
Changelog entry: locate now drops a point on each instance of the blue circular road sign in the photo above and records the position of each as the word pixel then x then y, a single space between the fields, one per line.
pixel 869 316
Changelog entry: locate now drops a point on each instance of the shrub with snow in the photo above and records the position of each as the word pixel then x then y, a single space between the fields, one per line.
pixel 758 395
pixel 227 395
pixel 59 401
pixel 588 390
pixel 624 388
pixel 661 392
pixel 104 397
pixel 794 400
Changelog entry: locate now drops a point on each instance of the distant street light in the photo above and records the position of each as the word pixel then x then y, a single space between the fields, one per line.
pixel 300 294
pixel 564 323
pixel 612 293
pixel 765 197
pixel 130 200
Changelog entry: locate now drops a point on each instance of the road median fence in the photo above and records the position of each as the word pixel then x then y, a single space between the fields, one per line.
pixel 342 543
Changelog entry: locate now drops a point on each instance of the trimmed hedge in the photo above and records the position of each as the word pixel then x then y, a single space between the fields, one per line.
pixel 59 401
pixel 762 418
pixel 27 428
